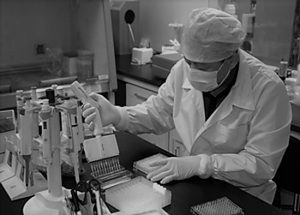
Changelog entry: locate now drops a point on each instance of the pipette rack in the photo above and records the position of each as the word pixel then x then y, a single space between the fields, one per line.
pixel 142 167
pixel 220 206
pixel 109 172
pixel 138 195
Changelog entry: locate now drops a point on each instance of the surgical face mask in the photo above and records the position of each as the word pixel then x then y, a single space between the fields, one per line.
pixel 206 81
pixel 203 80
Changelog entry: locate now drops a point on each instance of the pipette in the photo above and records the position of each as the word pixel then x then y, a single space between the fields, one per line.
pixel 84 97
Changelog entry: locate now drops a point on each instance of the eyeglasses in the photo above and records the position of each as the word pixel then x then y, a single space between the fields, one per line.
pixel 204 66
pixel 188 61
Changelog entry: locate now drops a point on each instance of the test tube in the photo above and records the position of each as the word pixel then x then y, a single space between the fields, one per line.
pixel 282 73
pixel 33 94
pixel 20 103
pixel 35 116
pixel 75 142
pixel 50 95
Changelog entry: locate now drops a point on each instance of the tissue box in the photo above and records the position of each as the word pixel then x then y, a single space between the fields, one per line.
pixel 141 55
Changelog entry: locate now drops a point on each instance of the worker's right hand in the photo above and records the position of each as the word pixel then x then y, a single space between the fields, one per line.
pixel 108 112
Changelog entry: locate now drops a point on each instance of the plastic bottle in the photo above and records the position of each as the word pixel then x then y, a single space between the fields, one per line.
pixel 282 72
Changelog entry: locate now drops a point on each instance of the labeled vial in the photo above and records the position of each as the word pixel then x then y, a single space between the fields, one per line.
pixel 282 72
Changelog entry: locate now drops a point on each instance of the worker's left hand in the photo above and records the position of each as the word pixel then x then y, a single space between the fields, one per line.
pixel 178 168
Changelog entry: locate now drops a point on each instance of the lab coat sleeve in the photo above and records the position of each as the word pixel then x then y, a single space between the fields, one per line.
pixel 152 116
pixel 266 143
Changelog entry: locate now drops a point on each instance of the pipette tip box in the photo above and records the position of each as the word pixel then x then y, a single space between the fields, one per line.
pixel 138 195
pixel 221 206
pixel 143 166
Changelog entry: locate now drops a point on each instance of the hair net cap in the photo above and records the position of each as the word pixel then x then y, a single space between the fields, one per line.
pixel 211 35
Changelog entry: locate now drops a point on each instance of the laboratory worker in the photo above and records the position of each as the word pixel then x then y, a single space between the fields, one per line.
pixel 231 110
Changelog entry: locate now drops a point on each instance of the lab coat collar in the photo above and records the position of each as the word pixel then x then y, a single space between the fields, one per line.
pixel 242 92
pixel 187 85
pixel 241 95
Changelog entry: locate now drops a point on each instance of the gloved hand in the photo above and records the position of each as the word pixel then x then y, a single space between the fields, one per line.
pixel 176 45
pixel 108 112
pixel 178 168
pixel 290 84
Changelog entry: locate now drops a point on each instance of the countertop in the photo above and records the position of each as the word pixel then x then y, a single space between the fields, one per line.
pixel 144 73
pixel 25 80
pixel 12 81
pixel 185 193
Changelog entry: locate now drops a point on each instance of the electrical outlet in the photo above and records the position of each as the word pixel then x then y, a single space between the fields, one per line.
pixel 40 49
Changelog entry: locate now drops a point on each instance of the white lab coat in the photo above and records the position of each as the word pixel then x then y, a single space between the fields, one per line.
pixel 246 135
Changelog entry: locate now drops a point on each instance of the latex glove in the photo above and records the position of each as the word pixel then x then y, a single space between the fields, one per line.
pixel 290 84
pixel 178 168
pixel 108 112
pixel 176 45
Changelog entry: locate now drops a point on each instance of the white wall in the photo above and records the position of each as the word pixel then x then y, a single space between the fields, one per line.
pixel 24 23
pixel 155 15
pixel 273 30
pixel 90 28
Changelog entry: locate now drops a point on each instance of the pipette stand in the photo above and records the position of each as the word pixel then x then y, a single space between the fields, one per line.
pixel 46 204
pixel 51 201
